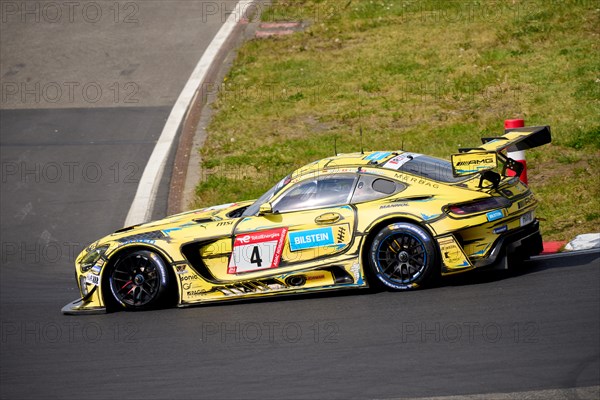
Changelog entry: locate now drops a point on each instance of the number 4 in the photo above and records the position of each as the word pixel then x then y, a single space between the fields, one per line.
pixel 255 257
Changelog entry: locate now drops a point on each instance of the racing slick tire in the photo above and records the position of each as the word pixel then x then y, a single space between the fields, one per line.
pixel 138 280
pixel 402 256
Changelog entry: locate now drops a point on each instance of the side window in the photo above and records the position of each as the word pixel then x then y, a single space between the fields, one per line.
pixel 373 187
pixel 318 192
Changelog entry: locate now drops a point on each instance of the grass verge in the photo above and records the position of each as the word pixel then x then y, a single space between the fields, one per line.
pixel 426 76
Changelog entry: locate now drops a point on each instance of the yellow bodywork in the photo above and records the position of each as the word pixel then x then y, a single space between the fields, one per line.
pixel 198 245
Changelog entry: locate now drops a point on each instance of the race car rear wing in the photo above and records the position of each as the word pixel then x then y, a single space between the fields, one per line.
pixel 485 157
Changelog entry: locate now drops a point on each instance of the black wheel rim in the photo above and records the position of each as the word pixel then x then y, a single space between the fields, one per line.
pixel 401 258
pixel 134 281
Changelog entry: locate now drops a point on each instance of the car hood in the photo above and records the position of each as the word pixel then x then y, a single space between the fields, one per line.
pixel 209 222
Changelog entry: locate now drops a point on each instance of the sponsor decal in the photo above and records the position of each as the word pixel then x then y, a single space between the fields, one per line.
pixel 412 179
pixel 96 269
pixel 378 155
pixel 147 241
pixel 466 163
pixel 190 278
pixel 400 160
pixel 257 251
pixel 92 279
pixel 225 223
pixel 371 171
pixel 494 215
pixel 186 286
pixel 181 269
pixel 501 229
pixel 339 170
pixel 311 238
pixel 475 162
pixel 341 234
pixel 315 277
pixel 393 205
pixel 355 271
pixel 193 293
pixel 452 254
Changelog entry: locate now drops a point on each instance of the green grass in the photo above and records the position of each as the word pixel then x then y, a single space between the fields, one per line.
pixel 428 76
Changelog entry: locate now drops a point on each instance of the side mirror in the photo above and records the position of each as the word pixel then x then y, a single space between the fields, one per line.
pixel 265 209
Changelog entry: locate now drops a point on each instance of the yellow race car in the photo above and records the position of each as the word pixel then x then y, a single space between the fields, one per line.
pixel 392 219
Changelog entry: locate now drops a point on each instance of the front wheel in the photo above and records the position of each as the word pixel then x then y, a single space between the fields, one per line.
pixel 139 280
pixel 402 257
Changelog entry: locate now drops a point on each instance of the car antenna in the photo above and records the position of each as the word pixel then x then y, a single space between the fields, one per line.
pixel 335 145
pixel 362 151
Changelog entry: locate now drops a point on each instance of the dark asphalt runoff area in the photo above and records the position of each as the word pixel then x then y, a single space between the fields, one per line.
pixel 70 167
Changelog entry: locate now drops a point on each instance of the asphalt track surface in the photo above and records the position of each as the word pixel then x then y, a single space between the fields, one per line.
pixel 69 173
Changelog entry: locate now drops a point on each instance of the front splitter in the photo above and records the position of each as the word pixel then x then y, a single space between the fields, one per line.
pixel 79 307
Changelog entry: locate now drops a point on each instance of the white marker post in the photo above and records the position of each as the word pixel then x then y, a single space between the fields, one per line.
pixel 518 155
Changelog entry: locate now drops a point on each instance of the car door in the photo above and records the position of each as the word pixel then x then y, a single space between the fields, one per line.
pixel 310 221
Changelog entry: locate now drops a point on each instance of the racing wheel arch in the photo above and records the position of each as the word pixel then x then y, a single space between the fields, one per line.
pixel 376 226
pixel 175 292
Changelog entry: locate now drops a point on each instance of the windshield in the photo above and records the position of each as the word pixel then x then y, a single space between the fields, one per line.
pixel 268 195
pixel 431 168
pixel 317 192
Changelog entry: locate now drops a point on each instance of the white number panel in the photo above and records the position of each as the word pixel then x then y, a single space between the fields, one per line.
pixel 527 218
pixel 93 279
pixel 257 251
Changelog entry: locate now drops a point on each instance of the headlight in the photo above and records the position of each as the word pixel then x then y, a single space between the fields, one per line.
pixel 91 257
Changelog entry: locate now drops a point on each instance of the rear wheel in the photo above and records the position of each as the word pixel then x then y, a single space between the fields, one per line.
pixel 402 257
pixel 139 280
